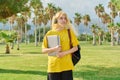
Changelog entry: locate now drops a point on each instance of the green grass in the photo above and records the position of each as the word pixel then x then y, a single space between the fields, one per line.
pixel 99 62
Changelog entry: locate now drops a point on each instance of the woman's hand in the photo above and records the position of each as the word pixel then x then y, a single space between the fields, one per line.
pixel 61 54
pixel 58 48
pixel 53 49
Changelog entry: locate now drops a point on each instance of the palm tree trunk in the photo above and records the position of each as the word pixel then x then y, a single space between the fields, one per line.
pixel 7 49
pixel 112 39
pixel 100 42
pixel 44 30
pixel 118 39
pixel 39 33
pixel 18 47
pixel 94 40
pixel 12 45
pixel 35 33
pixel 25 33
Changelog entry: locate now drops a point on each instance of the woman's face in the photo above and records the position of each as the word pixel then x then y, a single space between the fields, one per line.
pixel 62 20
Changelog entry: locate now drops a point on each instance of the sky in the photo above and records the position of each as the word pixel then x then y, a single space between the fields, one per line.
pixel 80 6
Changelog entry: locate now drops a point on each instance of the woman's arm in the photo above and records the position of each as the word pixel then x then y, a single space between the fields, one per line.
pixel 61 54
pixel 50 50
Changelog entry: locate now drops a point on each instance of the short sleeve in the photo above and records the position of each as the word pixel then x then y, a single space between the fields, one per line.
pixel 44 43
pixel 74 40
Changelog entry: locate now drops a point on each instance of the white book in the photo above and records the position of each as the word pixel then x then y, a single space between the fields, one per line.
pixel 53 40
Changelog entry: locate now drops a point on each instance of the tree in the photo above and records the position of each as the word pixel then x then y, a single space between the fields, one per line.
pixel 50 10
pixel 94 31
pixel 37 7
pixel 118 31
pixel 100 34
pixel 99 10
pixel 112 28
pixel 86 20
pixel 116 3
pixel 113 12
pixel 8 37
pixel 77 19
pixel 11 7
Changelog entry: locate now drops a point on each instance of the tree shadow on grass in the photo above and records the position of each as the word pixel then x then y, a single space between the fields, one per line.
pixel 22 72
pixel 98 73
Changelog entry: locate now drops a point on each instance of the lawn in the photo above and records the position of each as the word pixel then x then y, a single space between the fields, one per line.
pixel 99 62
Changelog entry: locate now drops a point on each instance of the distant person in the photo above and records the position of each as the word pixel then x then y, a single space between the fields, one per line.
pixel 60 67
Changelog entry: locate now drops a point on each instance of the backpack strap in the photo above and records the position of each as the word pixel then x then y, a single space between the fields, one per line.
pixel 70 38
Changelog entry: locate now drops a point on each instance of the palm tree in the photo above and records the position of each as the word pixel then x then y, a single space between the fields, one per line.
pixel 77 19
pixel 45 21
pixel 11 21
pixel 86 20
pixel 94 31
pixel 116 3
pixel 57 9
pixel 21 23
pixel 106 18
pixel 50 10
pixel 112 29
pixel 99 10
pixel 37 7
pixel 100 34
pixel 11 7
pixel 118 31
pixel 8 37
pixel 113 12
pixel 26 15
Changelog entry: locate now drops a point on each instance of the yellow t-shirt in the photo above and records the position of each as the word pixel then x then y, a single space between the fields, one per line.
pixel 56 64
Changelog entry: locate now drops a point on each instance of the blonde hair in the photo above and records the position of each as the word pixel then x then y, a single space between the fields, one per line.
pixel 68 24
pixel 56 16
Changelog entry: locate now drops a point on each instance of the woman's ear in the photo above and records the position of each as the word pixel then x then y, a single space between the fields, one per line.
pixel 55 21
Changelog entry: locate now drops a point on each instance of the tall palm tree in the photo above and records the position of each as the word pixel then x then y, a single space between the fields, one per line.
pixel 100 34
pixel 21 24
pixel 50 10
pixel 37 6
pixel 94 31
pixel 45 21
pixel 118 31
pixel 11 7
pixel 26 15
pixel 11 21
pixel 112 29
pixel 77 19
pixel 86 20
pixel 106 18
pixel 99 10
pixel 113 12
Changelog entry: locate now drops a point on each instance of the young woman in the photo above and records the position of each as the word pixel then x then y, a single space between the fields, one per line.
pixel 60 66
